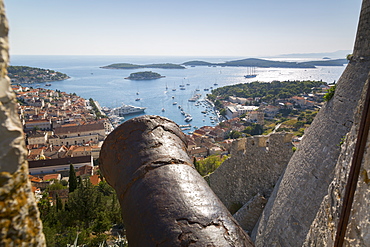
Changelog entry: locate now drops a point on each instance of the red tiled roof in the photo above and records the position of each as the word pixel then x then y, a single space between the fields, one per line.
pixel 95 179
pixel 51 176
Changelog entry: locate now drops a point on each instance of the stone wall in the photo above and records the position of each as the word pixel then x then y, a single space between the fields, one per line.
pixel 288 214
pixel 19 217
pixel 254 167
pixel 323 229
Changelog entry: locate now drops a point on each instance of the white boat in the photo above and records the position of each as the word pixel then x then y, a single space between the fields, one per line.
pixel 188 119
pixel 127 109
pixel 251 72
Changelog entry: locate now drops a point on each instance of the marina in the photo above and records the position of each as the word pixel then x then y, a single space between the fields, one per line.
pixel 160 97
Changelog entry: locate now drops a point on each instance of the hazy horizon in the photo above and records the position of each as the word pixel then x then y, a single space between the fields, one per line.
pixel 237 28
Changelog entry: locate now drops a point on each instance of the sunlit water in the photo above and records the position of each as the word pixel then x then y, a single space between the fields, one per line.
pixel 110 88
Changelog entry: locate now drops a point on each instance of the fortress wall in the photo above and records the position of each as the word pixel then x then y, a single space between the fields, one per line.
pixel 254 167
pixel 323 229
pixel 289 214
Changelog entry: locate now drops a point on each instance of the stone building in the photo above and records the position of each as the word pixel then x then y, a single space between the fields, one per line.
pixel 78 134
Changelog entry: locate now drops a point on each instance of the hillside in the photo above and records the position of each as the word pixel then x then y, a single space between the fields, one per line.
pixel 25 74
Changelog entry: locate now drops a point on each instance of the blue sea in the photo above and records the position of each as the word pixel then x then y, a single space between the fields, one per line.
pixel 110 89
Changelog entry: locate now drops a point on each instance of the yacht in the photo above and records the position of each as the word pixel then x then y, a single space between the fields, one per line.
pixel 127 109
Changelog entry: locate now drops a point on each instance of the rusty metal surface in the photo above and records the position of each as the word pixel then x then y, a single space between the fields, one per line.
pixel 164 201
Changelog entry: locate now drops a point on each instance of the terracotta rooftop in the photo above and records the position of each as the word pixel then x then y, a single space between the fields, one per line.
pixel 78 128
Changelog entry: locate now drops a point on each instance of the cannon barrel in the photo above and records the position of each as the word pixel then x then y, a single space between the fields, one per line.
pixel 164 200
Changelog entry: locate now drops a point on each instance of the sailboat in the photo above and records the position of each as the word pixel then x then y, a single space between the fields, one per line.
pixel 251 72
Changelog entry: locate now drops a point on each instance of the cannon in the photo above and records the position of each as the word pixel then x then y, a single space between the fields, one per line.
pixel 164 200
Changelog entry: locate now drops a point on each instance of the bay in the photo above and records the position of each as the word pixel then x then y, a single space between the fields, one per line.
pixel 110 89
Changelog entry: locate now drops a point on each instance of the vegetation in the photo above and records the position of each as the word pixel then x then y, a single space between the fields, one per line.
pixel 330 93
pixel 268 92
pixel 209 164
pixel 136 66
pixel 97 113
pixel 25 74
pixel 72 179
pixel 89 211
pixel 146 75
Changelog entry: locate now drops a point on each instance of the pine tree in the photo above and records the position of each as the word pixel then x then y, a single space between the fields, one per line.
pixel 72 179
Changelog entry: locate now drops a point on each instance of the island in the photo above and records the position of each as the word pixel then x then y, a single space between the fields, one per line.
pixel 25 74
pixel 263 63
pixel 136 66
pixel 145 75
pixel 248 62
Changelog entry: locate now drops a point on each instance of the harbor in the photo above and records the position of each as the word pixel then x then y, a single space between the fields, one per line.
pixel 161 96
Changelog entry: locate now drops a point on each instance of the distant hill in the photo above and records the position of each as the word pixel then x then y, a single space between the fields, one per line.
pixel 248 62
pixel 336 54
pixel 136 66
pixel 335 62
pixel 256 62
pixel 197 63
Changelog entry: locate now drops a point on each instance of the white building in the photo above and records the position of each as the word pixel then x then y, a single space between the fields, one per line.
pixel 237 110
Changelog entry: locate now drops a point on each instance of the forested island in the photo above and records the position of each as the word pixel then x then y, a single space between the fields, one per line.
pixel 267 91
pixel 136 66
pixel 262 63
pixel 145 75
pixel 25 74
pixel 249 62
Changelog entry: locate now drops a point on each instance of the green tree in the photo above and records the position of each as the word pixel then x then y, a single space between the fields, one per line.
pixel 72 179
pixel 254 129
pixel 234 134
pixel 59 203
pixel 209 164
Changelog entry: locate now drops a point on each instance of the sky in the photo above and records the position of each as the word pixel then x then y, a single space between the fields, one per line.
pixel 181 27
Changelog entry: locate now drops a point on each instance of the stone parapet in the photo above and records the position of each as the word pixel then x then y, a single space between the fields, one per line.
pixel 254 167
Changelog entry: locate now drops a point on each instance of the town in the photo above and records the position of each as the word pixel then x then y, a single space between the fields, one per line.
pixel 62 128
pixel 64 134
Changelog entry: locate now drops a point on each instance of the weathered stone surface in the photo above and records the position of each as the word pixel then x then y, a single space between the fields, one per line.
pixel 249 214
pixel 164 200
pixel 19 217
pixel 287 216
pixel 324 228
pixel 254 167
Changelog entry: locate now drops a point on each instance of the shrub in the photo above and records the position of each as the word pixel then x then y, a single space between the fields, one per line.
pixel 330 93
